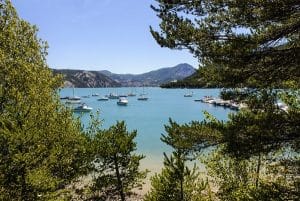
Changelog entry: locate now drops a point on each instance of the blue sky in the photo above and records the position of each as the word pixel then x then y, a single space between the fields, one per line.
pixel 100 34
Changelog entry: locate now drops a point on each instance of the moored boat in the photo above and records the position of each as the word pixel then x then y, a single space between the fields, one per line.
pixel 82 108
pixel 103 99
pixel 122 101
pixel 113 96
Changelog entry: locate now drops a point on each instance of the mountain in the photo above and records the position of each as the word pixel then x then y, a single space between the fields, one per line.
pixel 85 79
pixel 104 78
pixel 153 78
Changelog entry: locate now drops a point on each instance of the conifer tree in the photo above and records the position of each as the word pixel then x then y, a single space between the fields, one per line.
pixel 177 182
pixel 251 42
pixel 254 44
pixel 117 164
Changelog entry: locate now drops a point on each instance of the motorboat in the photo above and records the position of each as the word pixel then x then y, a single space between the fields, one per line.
pixel 82 108
pixel 283 106
pixel 206 99
pixel 122 101
pixel 104 98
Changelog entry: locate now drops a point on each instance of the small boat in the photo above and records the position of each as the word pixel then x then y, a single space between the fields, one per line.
pixel 122 101
pixel 143 98
pixel 113 96
pixel 103 99
pixel 234 106
pixel 82 108
pixel 190 94
pixel 88 96
pixel 123 95
pixel 206 99
pixel 131 94
pixel 64 98
pixel 95 94
pixel 73 101
pixel 283 107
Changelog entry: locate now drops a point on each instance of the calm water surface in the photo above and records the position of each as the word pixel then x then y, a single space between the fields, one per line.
pixel 149 117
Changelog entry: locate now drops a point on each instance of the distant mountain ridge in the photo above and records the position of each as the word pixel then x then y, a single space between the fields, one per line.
pixel 153 78
pixel 104 78
pixel 85 79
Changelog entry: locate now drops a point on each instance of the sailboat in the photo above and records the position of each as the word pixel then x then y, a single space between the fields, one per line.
pixel 73 99
pixel 131 93
pixel 143 96
pixel 189 94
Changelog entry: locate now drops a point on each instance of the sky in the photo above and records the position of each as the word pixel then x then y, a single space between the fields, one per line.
pixel 100 35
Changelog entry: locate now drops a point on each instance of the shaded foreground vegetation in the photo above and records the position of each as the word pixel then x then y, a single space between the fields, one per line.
pixel 254 155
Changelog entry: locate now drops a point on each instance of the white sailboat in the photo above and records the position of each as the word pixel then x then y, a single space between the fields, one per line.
pixel 143 96
pixel 73 99
pixel 189 94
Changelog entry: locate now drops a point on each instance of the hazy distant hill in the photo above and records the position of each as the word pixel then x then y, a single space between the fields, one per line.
pixel 86 79
pixel 153 78
pixel 82 78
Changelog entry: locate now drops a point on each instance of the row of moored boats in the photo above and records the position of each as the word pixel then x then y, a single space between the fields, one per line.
pixel 220 102
pixel 234 104
pixel 122 100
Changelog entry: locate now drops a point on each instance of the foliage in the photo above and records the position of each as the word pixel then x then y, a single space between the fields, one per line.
pixel 245 43
pixel 252 44
pixel 117 167
pixel 236 179
pixel 42 147
pixel 177 181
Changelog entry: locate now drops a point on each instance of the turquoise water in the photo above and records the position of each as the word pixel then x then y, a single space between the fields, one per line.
pixel 149 117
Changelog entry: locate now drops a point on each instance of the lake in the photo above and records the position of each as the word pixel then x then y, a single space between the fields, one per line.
pixel 149 117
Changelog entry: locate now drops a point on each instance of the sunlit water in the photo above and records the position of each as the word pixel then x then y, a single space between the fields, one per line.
pixel 149 117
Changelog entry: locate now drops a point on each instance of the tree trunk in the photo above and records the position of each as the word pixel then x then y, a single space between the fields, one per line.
pixel 258 170
pixel 181 162
pixel 181 189
pixel 119 181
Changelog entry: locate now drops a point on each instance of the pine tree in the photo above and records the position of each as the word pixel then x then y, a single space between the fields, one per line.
pixel 117 166
pixel 253 44
pixel 177 182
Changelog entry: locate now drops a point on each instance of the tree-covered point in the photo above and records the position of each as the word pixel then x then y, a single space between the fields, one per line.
pixel 238 43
